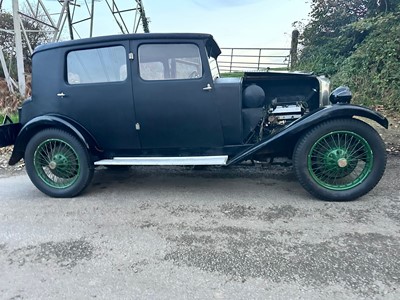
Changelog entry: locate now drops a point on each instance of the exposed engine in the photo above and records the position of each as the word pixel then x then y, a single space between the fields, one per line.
pixel 282 113
pixel 277 116
pixel 263 117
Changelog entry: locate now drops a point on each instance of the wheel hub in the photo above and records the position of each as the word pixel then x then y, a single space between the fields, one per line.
pixel 336 158
pixel 53 165
pixel 58 161
pixel 342 162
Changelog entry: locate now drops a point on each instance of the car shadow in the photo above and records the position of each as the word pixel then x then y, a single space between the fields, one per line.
pixel 149 179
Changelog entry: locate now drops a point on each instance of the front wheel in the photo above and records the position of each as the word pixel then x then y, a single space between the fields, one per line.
pixel 58 164
pixel 340 160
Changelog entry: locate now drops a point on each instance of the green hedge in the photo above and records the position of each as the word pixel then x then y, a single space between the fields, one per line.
pixel 364 55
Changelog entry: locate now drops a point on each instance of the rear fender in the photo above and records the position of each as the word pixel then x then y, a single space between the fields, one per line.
pixel 50 121
pixel 287 137
pixel 9 133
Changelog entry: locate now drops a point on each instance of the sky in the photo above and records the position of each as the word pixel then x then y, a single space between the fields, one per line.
pixel 233 23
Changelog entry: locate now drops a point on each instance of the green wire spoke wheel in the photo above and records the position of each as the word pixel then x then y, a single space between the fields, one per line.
pixel 58 164
pixel 340 159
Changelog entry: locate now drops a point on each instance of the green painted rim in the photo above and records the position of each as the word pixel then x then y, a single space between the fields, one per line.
pixel 340 160
pixel 56 163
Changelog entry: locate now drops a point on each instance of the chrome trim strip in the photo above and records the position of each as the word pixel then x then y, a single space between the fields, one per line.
pixel 165 161
pixel 324 90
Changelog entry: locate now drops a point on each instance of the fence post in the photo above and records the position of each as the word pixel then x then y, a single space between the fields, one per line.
pixel 230 67
pixel 293 49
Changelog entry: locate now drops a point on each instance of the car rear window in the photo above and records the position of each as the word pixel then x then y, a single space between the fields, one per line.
pixel 98 65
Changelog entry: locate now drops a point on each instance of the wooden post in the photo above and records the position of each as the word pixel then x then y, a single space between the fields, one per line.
pixel 293 49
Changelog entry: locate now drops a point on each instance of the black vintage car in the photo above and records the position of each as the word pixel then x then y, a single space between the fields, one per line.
pixel 158 99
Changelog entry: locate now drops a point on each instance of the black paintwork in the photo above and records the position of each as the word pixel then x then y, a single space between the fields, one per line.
pixel 285 87
pixel 284 140
pixel 210 43
pixel 341 95
pixel 51 121
pixel 176 117
pixel 179 112
pixel 8 134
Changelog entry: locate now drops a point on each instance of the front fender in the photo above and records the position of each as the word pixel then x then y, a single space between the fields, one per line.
pixel 288 135
pixel 50 121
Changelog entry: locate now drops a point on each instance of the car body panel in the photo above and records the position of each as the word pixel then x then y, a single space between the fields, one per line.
pixel 9 134
pixel 179 112
pixel 51 121
pixel 91 105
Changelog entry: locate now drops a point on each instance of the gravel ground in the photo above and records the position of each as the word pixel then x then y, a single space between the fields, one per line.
pixel 248 232
pixel 216 233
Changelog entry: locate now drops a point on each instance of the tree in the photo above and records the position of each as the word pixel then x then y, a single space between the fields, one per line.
pixel 328 38
pixel 356 43
pixel 373 69
pixel 327 16
pixel 7 39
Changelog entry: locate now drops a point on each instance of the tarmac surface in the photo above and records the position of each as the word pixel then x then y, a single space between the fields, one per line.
pixel 248 232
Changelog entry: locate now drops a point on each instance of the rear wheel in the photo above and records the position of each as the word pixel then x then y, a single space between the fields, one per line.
pixel 58 164
pixel 340 159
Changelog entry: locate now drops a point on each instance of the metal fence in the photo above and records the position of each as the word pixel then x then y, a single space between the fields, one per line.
pixel 253 59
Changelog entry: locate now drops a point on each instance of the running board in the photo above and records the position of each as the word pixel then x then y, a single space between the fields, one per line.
pixel 165 161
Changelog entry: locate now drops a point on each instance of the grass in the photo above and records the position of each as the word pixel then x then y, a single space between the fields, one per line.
pixel 233 74
pixel 14 118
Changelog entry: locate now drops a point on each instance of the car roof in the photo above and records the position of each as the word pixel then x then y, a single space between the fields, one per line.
pixel 135 36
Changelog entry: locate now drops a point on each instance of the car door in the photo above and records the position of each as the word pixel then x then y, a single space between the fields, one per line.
pixel 174 97
pixel 97 93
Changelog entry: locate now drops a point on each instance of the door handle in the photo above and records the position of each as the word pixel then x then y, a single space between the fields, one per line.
pixel 207 88
pixel 62 95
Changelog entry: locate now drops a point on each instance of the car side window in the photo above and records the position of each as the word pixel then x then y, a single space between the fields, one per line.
pixel 169 61
pixel 98 65
pixel 214 67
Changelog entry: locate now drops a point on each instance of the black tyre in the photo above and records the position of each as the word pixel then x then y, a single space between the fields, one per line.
pixel 340 160
pixel 58 164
